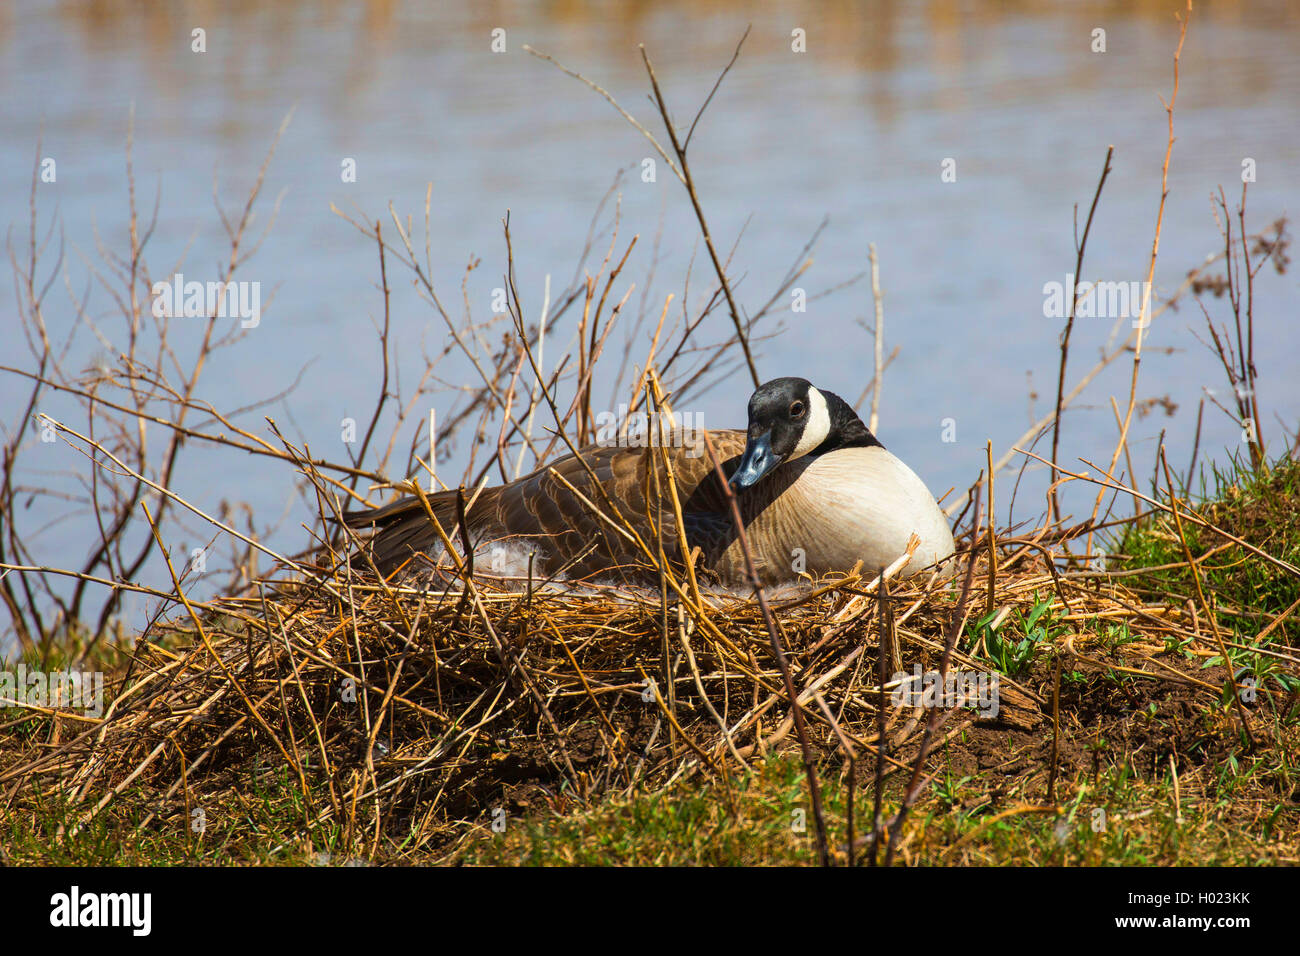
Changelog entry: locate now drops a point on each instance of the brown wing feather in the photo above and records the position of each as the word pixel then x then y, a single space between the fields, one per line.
pixel 630 486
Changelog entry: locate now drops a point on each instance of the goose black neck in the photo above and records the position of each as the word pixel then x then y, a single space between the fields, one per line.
pixel 847 429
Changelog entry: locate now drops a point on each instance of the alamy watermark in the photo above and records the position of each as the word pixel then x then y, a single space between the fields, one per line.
pixel 71 690
pixel 1096 300
pixel 654 430
pixel 223 300
pixel 957 688
pixel 75 908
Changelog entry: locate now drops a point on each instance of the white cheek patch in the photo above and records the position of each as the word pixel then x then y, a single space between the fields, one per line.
pixel 816 428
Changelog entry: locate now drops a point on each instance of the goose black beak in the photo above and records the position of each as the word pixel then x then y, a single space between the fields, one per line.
pixel 756 462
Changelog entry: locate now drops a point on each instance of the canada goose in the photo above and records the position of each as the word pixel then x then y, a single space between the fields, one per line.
pixel 816 490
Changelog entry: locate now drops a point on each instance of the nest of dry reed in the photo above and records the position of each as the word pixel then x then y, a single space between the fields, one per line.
pixel 398 710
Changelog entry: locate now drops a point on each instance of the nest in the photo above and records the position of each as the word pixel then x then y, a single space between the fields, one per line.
pixel 397 710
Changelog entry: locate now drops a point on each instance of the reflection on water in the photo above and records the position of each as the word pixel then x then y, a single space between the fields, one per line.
pixel 855 128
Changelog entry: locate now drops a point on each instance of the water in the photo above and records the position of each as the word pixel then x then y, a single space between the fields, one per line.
pixel 857 129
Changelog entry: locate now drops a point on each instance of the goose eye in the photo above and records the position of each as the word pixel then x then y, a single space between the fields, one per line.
pixel 796 410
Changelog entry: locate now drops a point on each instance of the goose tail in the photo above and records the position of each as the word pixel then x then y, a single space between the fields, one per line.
pixel 396 532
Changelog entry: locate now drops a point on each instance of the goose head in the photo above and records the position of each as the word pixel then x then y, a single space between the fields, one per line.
pixel 790 418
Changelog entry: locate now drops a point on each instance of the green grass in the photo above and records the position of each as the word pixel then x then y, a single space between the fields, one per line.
pixel 245 828
pixel 1017 641
pixel 1247 592
pixel 1241 812
pixel 1125 816
pixel 764 820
